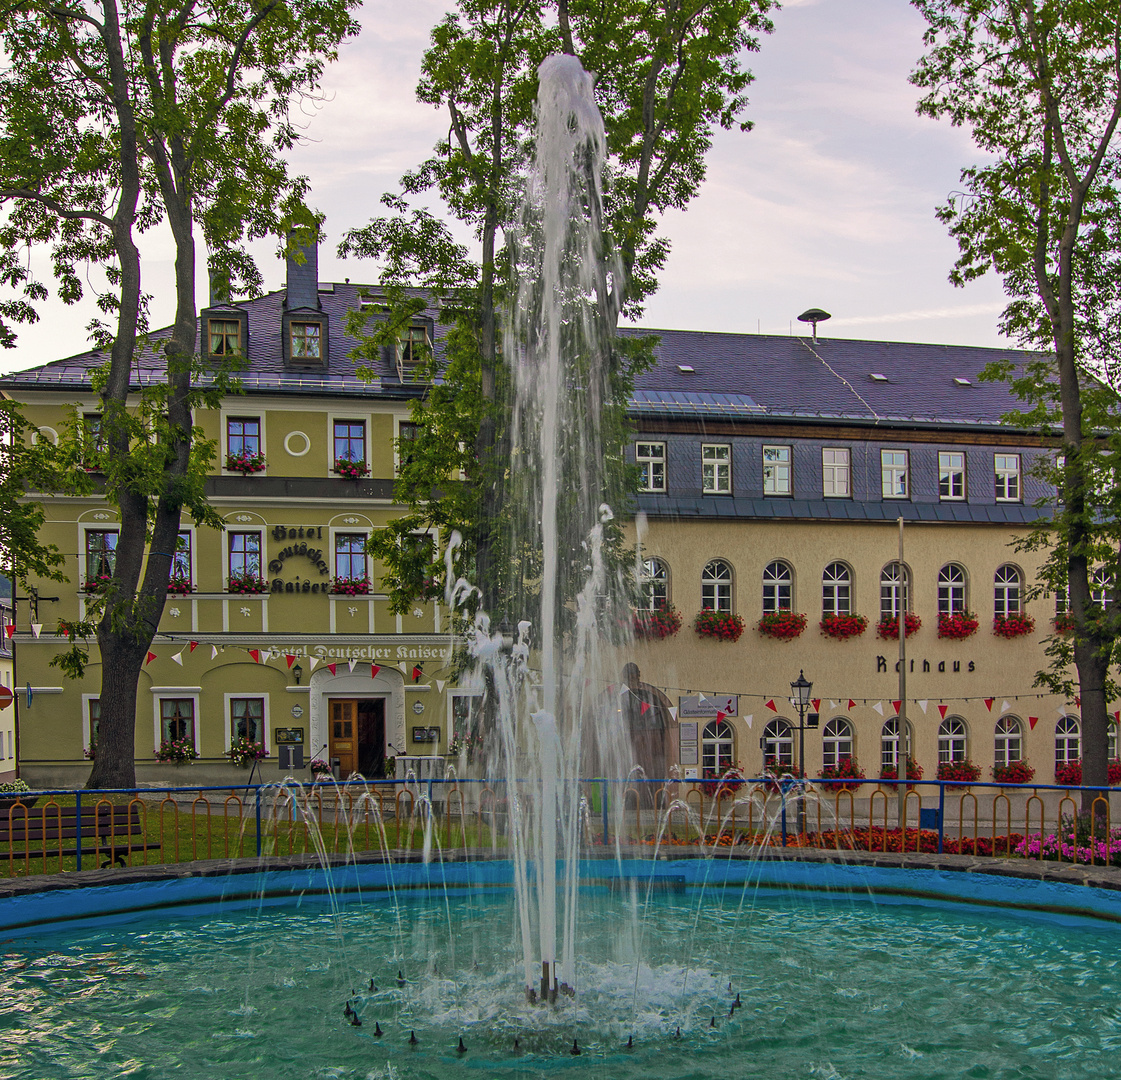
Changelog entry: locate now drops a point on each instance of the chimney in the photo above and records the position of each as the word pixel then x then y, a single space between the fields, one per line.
pixel 303 280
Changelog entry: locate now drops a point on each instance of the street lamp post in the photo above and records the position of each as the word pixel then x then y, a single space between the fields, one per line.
pixel 800 691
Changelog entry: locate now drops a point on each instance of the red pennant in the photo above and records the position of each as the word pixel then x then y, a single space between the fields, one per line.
pixel 942 711
pixel 720 715
pixel 1117 717
pixel 418 671
pixel 1032 721
pixel 331 668
pixel 817 704
pixel 290 659
pixel 771 705
pixel 852 704
pixel 374 669
pixel 645 708
pixel 194 645
pixel 895 705
pixel 1078 702
pixel 256 654
pixel 989 703
pixel 151 656
pixel 10 629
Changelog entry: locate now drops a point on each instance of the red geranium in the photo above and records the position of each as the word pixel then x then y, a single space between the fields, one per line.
pixel 1015 772
pixel 719 624
pixel 660 623
pixel 961 624
pixel 888 626
pixel 843 627
pixel 845 769
pixel 1070 772
pixel 1016 624
pixel 960 771
pixel 783 625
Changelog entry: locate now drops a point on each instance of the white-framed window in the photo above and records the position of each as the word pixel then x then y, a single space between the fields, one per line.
pixel 778 587
pixel 1006 468
pixel 349 440
pixel 716 468
pixel 718 745
pixel 1100 587
pixel 101 554
pixel 176 714
pixel 836 472
pixel 776 470
pixel 408 431
pixel 350 556
pixel 243 436
pixel 1007 590
pixel 836 589
pixel 893 474
pixel 889 743
pixel 951 475
pixel 183 562
pixel 951 740
pixel 778 745
pixel 1008 742
pixel 951 590
pixel 654 585
pixel 651 460
pixel 716 586
pixel 243 554
pixel 892 584
pixel 1068 740
pixel 91 720
pixel 836 742
pixel 247 717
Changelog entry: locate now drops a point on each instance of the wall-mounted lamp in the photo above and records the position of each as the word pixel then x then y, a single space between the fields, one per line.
pixel 297 673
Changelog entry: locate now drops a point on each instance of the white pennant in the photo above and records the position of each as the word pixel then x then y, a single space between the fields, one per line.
pixel 701 699
pixel 36 628
pixel 879 707
pixel 749 719
pixel 352 663
pixel 440 684
pixel 1004 707
pixel 213 652
pixel 673 711
pixel 404 668
pixel 313 660
pixel 1061 712
pixel 178 658
pixel 923 704
pixel 832 704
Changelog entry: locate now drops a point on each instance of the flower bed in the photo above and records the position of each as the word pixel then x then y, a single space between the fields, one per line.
pixel 245 463
pixel 342 586
pixel 888 627
pixel 178 587
pixel 962 772
pixel 782 625
pixel 661 623
pixel 845 769
pixel 1015 772
pixel 1068 847
pixel 961 624
pixel 246 582
pixel 1070 773
pixel 176 750
pixel 1018 624
pixel 245 751
pixel 719 624
pixel 351 470
pixel 914 771
pixel 843 627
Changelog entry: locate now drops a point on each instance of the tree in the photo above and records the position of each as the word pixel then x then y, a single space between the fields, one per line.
pixel 114 117
pixel 668 74
pixel 1038 84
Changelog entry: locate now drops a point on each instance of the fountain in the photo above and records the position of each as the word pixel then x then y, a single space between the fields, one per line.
pixel 547 960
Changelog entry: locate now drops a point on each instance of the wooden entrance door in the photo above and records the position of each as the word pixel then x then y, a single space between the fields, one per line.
pixel 342 734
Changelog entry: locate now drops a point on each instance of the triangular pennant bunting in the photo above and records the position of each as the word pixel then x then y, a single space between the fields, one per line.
pixel 256 654
pixel 771 705
pixel 748 719
pixel 149 658
pixel 989 703
pixel 923 704
pixel 817 704
pixel 942 711
pixel 351 664
pixel 1117 717
pixel 1032 721
pixel 440 684
pixel 313 660
pixel 332 668
pixel 879 707
pixel 418 671
pixel 720 715
pixel 178 658
pixel 852 704
pixel 895 705
pixel 673 711
pixel 1004 707
pixel 289 659
pixel 645 708
pixel 374 669
pixel 832 704
pixel 701 699
pixel 194 645
pixel 36 629
pixel 213 652
pixel 10 629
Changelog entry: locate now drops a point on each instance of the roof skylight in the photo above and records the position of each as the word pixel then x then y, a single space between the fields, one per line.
pixel 877 377
pixel 686 369
pixel 962 382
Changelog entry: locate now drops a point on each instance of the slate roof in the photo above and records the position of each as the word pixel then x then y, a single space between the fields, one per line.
pixel 734 375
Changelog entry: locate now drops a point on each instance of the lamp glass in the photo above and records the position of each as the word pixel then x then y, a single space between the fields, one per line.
pixel 801 688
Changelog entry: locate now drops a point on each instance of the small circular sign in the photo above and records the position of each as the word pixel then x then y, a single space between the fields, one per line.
pixel 297 711
pixel 6 697
pixel 418 707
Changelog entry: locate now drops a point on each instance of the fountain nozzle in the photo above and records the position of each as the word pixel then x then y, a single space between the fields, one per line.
pixel 413 1040
pixel 575 1048
pixel 461 1049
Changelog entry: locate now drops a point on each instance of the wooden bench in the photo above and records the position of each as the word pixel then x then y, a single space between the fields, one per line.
pixel 106 831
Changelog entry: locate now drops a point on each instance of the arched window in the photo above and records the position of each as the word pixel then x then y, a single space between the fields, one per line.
pixel 889 743
pixel 951 590
pixel 1007 588
pixel 716 586
pixel 717 748
pixel 891 584
pixel 778 582
pixel 836 590
pixel 951 740
pixel 654 585
pixel 1100 586
pixel 1068 741
pixel 836 742
pixel 1009 743
pixel 778 745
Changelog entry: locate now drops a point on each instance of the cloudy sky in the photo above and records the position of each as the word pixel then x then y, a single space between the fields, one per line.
pixel 829 202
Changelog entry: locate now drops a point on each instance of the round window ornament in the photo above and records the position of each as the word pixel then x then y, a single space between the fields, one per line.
pixel 293 442
pixel 297 711
pixel 418 707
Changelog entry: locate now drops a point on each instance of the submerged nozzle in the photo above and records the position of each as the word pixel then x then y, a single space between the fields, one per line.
pixel 677 1034
pixel 377 1030
pixel 373 988
pixel 575 1048
pixel 461 1048
pixel 400 977
pixel 737 1004
pixel 516 1047
pixel 348 1012
pixel 712 1022
pixel 630 1042
pixel 356 1020
pixel 413 1040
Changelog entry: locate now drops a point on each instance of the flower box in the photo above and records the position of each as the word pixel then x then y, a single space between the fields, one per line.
pixel 888 628
pixel 176 751
pixel 1016 625
pixel 99 584
pixel 962 772
pixel 1064 623
pixel 246 583
pixel 959 625
pixel 350 586
pixel 845 769
pixel 657 624
pixel 718 784
pixel 245 463
pixel 1070 773
pixel 914 771
pixel 243 752
pixel 843 627
pixel 350 470
pixel 1015 772
pixel 320 768
pixel 719 624
pixel 782 625
pixel 179 587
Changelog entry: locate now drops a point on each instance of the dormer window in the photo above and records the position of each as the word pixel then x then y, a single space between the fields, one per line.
pixel 225 337
pixel 306 341
pixel 413 349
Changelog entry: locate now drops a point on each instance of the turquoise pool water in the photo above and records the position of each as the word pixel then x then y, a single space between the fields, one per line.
pixel 829 989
